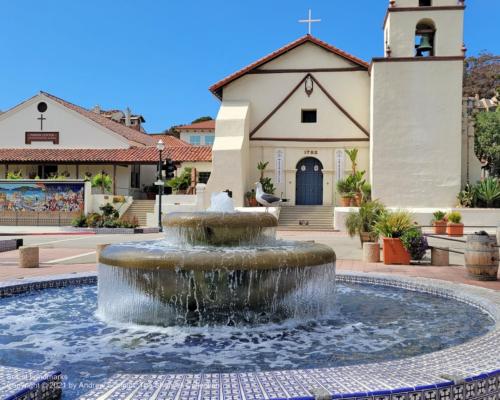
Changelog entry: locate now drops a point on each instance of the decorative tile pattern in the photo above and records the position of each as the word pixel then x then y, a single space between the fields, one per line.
pixel 417 378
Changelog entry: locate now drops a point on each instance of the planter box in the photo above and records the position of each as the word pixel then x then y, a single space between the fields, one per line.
pixel 394 252
pixel 439 227
pixel 455 229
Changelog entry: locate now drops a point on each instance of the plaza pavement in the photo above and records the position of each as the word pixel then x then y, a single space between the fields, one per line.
pixel 76 253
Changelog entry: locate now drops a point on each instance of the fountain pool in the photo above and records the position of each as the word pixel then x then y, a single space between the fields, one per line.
pixel 60 330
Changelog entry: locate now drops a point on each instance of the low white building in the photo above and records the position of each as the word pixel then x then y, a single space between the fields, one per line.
pixel 198 134
pixel 46 136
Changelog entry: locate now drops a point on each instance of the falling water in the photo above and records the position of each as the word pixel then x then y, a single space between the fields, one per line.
pixel 216 268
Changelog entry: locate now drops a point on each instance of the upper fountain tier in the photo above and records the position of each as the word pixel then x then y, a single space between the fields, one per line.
pixel 221 228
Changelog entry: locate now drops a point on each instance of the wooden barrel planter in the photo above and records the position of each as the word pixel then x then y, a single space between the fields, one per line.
pixel 481 257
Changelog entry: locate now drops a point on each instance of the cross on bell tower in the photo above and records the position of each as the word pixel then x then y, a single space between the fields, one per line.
pixel 309 21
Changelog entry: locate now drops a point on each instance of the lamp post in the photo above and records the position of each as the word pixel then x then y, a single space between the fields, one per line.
pixel 470 109
pixel 160 146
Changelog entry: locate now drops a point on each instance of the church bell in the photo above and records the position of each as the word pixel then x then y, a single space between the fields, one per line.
pixel 425 45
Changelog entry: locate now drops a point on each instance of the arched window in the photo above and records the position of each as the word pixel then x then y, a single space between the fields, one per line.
pixel 425 3
pixel 425 35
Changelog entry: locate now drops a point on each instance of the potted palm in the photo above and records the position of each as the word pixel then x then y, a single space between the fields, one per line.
pixel 392 226
pixel 439 222
pixel 362 222
pixel 345 190
pixel 454 226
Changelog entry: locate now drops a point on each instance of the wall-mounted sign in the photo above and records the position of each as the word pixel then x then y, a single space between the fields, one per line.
pixel 339 163
pixel 41 137
pixel 310 151
pixel 279 166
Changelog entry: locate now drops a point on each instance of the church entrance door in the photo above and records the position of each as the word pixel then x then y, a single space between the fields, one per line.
pixel 309 182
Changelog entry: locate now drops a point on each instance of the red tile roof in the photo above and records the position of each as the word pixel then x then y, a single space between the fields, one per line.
pixel 216 88
pixel 190 153
pixel 169 140
pixel 127 132
pixel 209 125
pixel 142 155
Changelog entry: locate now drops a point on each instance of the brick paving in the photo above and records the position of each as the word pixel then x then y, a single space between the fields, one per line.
pixel 82 259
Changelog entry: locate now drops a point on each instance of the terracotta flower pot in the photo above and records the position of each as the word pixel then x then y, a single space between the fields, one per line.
pixel 345 201
pixel 252 202
pixel 439 227
pixel 394 252
pixel 357 199
pixel 455 229
pixel 368 237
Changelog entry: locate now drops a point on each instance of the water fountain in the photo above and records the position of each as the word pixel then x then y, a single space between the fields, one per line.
pixel 214 267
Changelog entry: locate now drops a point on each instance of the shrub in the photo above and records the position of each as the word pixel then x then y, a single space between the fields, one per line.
pixel 415 243
pixel 467 196
pixel 109 212
pixel 343 187
pixel 111 223
pixel 454 217
pixel 438 216
pixel 181 182
pixel 366 191
pixel 14 175
pixel 94 220
pixel 128 223
pixel 394 224
pixel 488 190
pixel 365 219
pixel 80 221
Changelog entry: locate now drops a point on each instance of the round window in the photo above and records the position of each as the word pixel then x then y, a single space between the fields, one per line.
pixel 316 168
pixel 303 168
pixel 42 106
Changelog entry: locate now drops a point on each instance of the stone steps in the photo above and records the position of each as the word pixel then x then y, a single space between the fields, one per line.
pixel 139 210
pixel 307 218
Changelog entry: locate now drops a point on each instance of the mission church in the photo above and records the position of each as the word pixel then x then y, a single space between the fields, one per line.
pixel 301 106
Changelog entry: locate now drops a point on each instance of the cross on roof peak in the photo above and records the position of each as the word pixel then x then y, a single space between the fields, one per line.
pixel 309 21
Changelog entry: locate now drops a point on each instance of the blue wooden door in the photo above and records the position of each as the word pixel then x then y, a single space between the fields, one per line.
pixel 309 182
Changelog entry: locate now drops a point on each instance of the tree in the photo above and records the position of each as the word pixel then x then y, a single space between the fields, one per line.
pixel 487 139
pixel 172 131
pixel 201 119
pixel 482 75
pixel 103 181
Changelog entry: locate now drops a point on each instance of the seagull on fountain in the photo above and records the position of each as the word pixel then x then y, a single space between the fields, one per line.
pixel 266 199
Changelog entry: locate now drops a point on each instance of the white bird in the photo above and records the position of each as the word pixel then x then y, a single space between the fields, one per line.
pixel 266 199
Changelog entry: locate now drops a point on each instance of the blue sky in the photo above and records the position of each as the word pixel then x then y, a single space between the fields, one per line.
pixel 160 56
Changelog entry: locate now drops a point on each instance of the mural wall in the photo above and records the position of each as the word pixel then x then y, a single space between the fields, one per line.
pixel 34 202
pixel 41 196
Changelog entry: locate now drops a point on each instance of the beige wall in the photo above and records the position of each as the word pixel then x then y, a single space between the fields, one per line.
pixel 416 132
pixel 230 152
pixel 449 31
pixel 200 166
pixel 350 89
pixel 295 152
pixel 75 131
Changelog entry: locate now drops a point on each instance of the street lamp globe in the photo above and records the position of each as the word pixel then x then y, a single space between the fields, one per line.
pixel 160 145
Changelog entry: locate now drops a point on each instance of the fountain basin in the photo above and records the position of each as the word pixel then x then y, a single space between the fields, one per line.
pixel 162 284
pixel 220 228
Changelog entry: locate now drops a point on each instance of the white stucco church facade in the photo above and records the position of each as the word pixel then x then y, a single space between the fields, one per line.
pixel 301 106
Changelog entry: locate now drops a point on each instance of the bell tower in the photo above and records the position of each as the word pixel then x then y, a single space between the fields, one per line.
pixel 416 96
